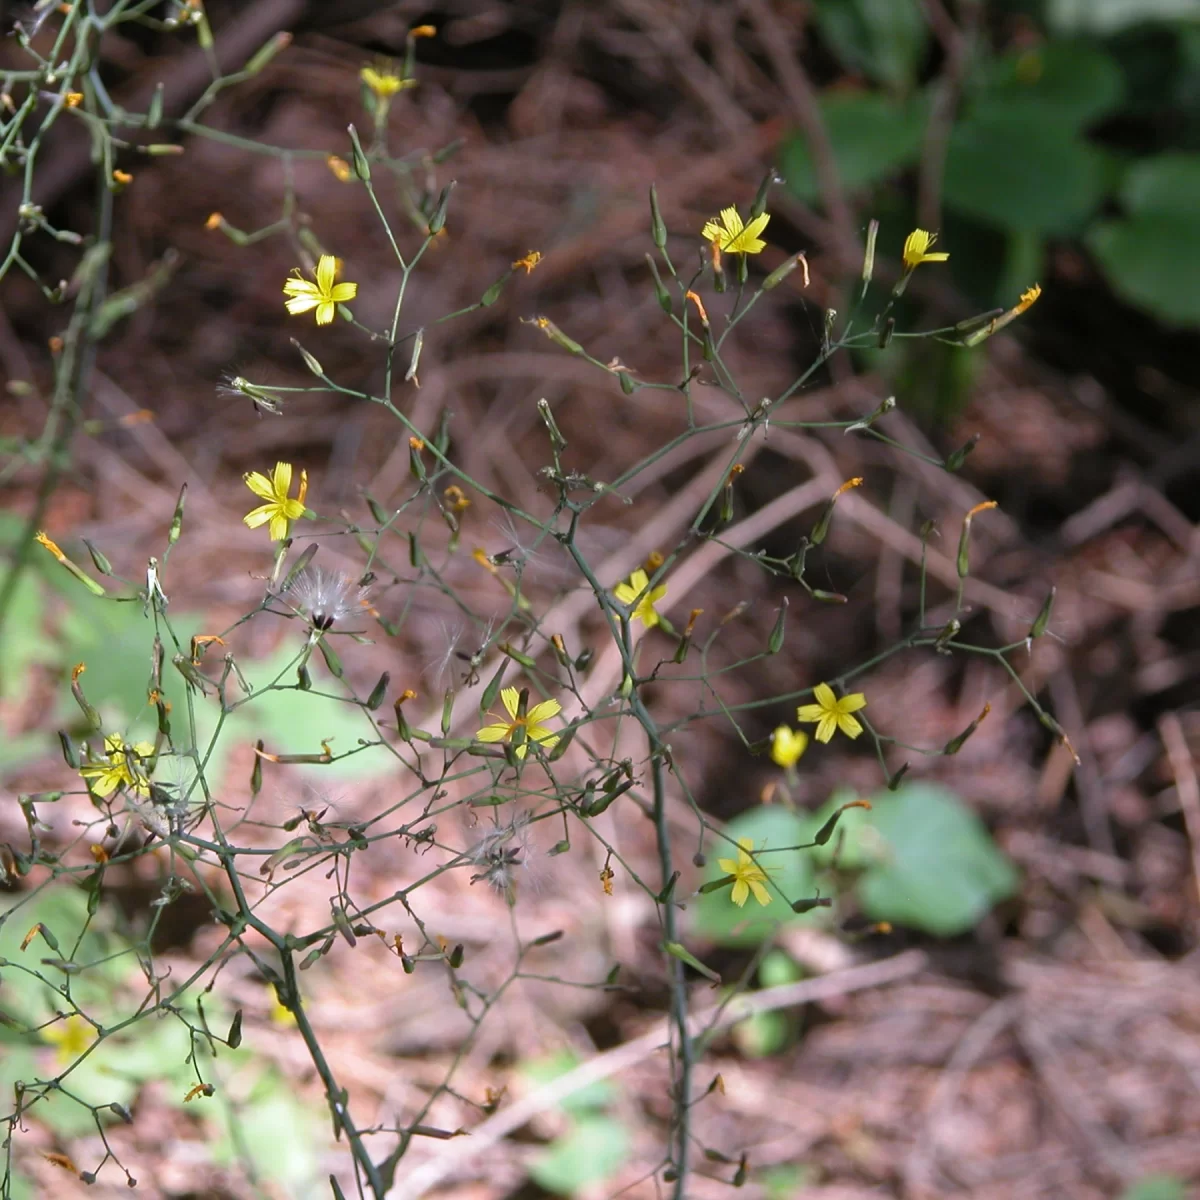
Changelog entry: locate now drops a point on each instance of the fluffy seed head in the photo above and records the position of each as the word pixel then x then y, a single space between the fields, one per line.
pixel 326 597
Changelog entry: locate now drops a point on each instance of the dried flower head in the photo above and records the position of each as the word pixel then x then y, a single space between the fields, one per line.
pixel 501 854
pixel 326 597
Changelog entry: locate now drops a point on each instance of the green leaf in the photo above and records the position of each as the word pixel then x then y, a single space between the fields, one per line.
pixel 1152 261
pixel 1021 173
pixel 1070 83
pixel 763 1034
pixel 941 871
pixel 882 39
pixel 716 918
pixel 1157 1187
pixel 282 1134
pixel 541 1071
pixel 1166 185
pixel 854 841
pixel 1111 16
pixel 291 721
pixel 25 641
pixel 872 138
pixel 595 1148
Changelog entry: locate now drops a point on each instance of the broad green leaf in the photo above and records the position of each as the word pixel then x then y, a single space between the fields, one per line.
pixel 1111 16
pixel 872 138
pixel 884 40
pixel 1152 261
pixel 778 968
pixel 1167 185
pixel 596 1147
pixel 24 641
pixel 854 840
pixel 1021 173
pixel 294 722
pixel 716 918
pixel 763 1034
pixel 1068 83
pixel 941 871
pixel 540 1071
pixel 1157 1187
pixel 281 1133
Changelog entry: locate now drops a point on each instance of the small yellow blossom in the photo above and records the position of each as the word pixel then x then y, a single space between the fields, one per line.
pixel 730 235
pixel 530 261
pixel 1029 298
pixel 340 168
pixel 916 249
pixel 120 767
pixel 832 714
pixel 422 31
pixel 324 295
pixel 281 1015
pixel 70 1037
pixel 214 221
pixel 43 539
pixel 281 510
pixel 532 722
pixel 124 178
pixel 636 591
pixel 787 746
pixel 73 99
pixel 748 876
pixel 384 83
pixel 456 499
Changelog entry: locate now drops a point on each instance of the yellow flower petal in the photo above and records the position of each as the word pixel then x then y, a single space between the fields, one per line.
pixel 259 516
pixel 541 712
pixel 259 484
pixel 326 273
pixel 493 733
pixel 511 699
pixel 849 726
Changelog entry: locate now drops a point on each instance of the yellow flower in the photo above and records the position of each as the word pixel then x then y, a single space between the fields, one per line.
pixel 384 83
pixel 787 747
pixel 916 249
pixel 748 876
pixel 731 236
pixel 1029 298
pixel 120 767
pixel 280 509
pixel 832 714
pixel 72 1037
pixel 324 295
pixel 281 1015
pixel 532 722
pixel 530 261
pixel 637 586
pixel 339 167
